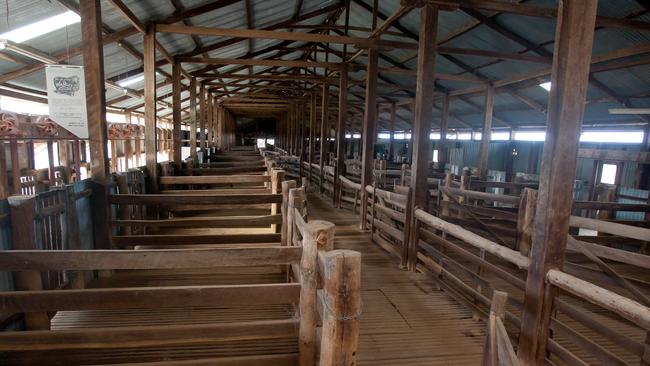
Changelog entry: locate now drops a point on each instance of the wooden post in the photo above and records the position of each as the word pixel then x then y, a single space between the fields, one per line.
pixel 138 150
pixel 497 310
pixel 487 132
pixel 324 133
pixel 408 251
pixel 93 51
pixel 286 186
pixel 193 118
pixel 302 146
pixel 372 209
pixel 423 113
pixel 219 125
pixel 150 138
pixel 391 132
pixel 91 24
pixel 319 235
pixel 341 307
pixel 23 237
pixel 525 220
pixel 4 180
pixel 128 148
pixel 464 185
pixel 202 119
pixel 369 133
pixel 570 75
pixel 312 134
pixel 50 162
pixel 291 129
pixel 176 111
pixel 15 166
pixel 444 124
pixel 276 187
pixel 76 156
pixel 340 131
pixel 295 197
pixel 210 124
pixel 77 279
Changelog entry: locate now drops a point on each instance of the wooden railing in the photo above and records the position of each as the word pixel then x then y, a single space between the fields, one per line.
pixel 451 252
pixel 349 194
pixel 330 282
pixel 323 283
pixel 388 217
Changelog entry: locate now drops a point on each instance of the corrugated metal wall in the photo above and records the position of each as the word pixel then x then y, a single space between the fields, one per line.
pixel 466 154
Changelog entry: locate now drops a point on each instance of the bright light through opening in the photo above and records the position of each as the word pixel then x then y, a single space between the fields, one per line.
pixel 608 175
pixel 546 86
pixel 624 137
pixel 131 81
pixel 500 136
pixel 41 27
pixel 530 136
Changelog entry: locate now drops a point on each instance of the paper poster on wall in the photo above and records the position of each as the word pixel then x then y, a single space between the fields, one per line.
pixel 66 95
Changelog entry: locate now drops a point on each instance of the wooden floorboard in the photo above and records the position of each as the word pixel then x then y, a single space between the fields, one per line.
pixel 406 320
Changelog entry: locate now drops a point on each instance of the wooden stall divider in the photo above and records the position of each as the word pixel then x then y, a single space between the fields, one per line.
pixel 276 188
pixel 287 213
pixel 23 210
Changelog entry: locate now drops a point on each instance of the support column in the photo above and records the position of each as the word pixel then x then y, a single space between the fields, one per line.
pixel 93 53
pixel 150 138
pixel 222 128
pixel 444 126
pixel 312 132
pixel 291 119
pixel 369 133
pixel 570 74
pixel 193 117
pixel 391 132
pixel 176 111
pixel 303 130
pixel 340 130
pixel 423 115
pixel 487 132
pixel 202 119
pixel 324 132
pixel 209 121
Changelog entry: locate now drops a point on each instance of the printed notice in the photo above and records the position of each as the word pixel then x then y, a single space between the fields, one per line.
pixel 66 95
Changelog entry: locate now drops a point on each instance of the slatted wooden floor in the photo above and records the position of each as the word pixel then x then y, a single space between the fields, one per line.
pixel 405 320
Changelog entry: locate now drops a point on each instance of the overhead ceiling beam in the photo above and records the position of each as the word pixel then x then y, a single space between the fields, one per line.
pixel 141 27
pixel 259 62
pixel 112 37
pixel 536 11
pixel 285 36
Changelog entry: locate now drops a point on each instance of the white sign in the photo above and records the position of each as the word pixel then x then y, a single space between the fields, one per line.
pixel 66 95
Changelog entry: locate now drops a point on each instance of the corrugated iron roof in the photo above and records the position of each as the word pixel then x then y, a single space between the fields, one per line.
pixel 628 83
